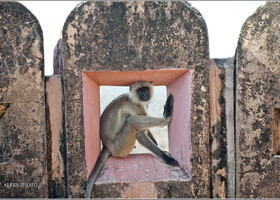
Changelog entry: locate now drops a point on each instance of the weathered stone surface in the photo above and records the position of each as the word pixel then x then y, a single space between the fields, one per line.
pixel 136 36
pixel 258 95
pixel 24 173
pixel 57 58
pixel 222 128
pixel 56 137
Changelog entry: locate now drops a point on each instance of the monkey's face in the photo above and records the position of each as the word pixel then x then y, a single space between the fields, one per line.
pixel 141 92
pixel 144 93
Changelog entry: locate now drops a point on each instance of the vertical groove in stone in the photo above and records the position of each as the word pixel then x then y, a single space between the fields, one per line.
pixel 221 128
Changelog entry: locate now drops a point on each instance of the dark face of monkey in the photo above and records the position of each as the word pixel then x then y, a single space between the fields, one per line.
pixel 144 93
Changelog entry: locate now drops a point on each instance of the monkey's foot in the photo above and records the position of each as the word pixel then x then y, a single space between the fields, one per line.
pixel 168 107
pixel 171 161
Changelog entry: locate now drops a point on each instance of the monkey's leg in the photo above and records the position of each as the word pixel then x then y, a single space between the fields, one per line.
pixel 125 141
pixel 104 154
pixel 149 144
pixel 168 107
pixel 150 135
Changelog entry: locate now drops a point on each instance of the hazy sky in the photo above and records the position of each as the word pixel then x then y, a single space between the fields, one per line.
pixel 223 18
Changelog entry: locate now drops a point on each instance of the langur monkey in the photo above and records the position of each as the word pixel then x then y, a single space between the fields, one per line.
pixel 124 121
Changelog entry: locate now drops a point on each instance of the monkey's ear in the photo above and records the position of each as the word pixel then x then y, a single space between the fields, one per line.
pixel 151 82
pixel 130 88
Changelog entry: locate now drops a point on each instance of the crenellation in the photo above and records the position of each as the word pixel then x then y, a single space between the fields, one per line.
pixel 225 129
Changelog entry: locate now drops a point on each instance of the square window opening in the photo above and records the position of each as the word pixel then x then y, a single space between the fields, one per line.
pixel 176 81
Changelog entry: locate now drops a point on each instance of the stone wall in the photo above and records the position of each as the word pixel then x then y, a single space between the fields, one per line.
pixel 136 36
pixel 23 164
pixel 229 133
pixel 258 97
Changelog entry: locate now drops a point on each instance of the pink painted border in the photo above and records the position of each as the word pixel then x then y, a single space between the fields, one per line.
pixel 143 167
pixel 91 104
pixel 179 130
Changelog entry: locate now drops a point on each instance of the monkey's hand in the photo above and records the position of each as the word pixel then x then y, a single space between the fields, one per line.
pixel 168 107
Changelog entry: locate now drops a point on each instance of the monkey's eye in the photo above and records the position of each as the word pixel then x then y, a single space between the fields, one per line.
pixel 144 89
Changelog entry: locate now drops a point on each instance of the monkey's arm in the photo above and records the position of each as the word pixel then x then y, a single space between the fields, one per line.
pixel 143 122
pixel 104 154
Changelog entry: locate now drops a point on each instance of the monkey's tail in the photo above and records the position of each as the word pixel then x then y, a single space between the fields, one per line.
pixel 104 154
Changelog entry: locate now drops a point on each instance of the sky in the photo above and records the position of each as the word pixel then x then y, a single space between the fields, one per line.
pixel 224 20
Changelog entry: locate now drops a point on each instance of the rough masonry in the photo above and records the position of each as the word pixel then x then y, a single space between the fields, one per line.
pixel 136 36
pixel 258 97
pixel 23 160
